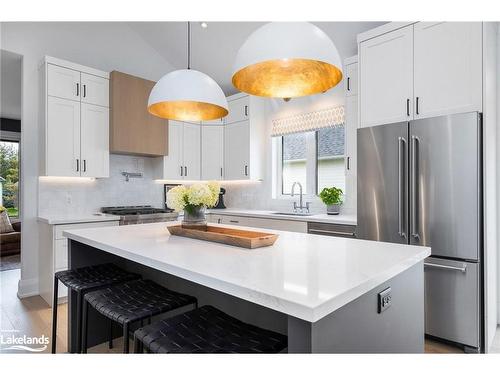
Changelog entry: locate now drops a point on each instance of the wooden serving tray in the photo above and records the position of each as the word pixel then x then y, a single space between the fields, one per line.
pixel 229 236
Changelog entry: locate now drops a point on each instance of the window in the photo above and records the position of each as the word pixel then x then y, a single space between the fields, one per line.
pixel 315 159
pixel 294 162
pixel 9 176
pixel 330 158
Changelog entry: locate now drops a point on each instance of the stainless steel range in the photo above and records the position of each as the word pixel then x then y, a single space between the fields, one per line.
pixel 141 214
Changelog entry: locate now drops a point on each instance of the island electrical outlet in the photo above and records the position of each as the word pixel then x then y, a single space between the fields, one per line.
pixel 384 300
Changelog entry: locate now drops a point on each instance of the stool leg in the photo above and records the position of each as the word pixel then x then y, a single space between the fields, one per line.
pixel 110 345
pixel 85 325
pixel 125 338
pixel 54 315
pixel 137 345
pixel 79 322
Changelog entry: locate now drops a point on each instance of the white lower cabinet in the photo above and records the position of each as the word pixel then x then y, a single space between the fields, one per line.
pixel 54 255
pixel 257 222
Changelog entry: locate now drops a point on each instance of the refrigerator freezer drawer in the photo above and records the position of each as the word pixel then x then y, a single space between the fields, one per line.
pixel 452 301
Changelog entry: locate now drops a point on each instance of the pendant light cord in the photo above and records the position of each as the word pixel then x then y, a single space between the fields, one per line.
pixel 189 44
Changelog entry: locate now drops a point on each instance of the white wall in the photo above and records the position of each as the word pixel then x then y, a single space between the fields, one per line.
pixel 10 85
pixel 67 196
pixel 258 195
pixel 105 46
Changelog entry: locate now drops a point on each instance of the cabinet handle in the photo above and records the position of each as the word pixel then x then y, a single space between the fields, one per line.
pixel 185 171
pixel 246 110
pixel 77 89
pixel 332 232
pixel 348 83
pixel 417 106
pixel 234 221
pixel 181 171
pixel 84 165
pixel 246 170
pixel 221 171
pixel 84 91
pixel 77 165
pixel 408 107
pixel 348 163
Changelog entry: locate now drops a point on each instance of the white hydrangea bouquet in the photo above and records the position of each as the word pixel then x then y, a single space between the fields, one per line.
pixel 193 200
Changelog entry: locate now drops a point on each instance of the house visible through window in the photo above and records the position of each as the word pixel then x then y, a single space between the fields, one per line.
pixel 9 176
pixel 330 158
pixel 315 159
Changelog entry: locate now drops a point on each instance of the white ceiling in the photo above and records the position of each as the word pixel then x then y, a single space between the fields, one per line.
pixel 214 49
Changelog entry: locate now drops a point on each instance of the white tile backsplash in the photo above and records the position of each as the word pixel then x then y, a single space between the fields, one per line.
pixel 80 196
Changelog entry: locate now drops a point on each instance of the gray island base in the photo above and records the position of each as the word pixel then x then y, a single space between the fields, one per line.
pixel 388 318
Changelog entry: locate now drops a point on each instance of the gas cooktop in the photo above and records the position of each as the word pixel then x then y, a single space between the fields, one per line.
pixel 134 210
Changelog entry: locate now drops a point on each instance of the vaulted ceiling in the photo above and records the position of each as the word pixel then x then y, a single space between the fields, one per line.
pixel 213 49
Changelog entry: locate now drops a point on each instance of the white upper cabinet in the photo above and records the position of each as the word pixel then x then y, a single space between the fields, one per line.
pixel 351 79
pixel 171 167
pixel 94 141
pixel 212 152
pixel 95 90
pixel 386 75
pixel 75 133
pixel 192 151
pixel 219 121
pixel 62 138
pixel 184 153
pixel 237 151
pixel 63 82
pixel 448 68
pixel 239 110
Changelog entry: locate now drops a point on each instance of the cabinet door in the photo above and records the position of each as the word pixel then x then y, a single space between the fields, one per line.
pixel 63 82
pixel 63 137
pixel 219 121
pixel 448 68
pixel 172 164
pixel 386 78
pixel 351 79
pixel 237 151
pixel 192 151
pixel 212 152
pixel 95 90
pixel 94 141
pixel 239 110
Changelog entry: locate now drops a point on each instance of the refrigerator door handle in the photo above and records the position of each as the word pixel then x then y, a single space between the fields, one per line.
pixel 401 186
pixel 414 185
pixel 462 269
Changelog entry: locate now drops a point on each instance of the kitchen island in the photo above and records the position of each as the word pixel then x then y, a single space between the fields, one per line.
pixel 328 294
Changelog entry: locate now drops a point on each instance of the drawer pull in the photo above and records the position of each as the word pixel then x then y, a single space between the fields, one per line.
pixel 444 267
pixel 335 233
pixel 234 221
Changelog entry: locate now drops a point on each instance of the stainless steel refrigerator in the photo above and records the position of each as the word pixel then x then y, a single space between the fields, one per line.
pixel 420 183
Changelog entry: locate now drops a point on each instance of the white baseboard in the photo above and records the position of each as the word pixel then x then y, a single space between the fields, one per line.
pixel 27 288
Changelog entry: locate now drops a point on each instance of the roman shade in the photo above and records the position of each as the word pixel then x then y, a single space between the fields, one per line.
pixel 311 121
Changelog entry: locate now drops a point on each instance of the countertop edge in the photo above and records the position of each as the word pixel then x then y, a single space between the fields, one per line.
pixel 334 219
pixel 77 220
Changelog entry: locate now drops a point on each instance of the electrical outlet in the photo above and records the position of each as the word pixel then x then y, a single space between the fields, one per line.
pixel 384 300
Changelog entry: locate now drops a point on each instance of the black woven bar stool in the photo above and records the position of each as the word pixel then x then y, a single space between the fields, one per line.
pixel 206 330
pixel 132 302
pixel 82 281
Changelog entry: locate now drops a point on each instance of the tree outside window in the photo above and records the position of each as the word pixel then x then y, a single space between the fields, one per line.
pixel 9 176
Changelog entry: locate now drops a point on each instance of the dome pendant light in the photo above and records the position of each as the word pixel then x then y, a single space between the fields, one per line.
pixel 187 95
pixel 287 60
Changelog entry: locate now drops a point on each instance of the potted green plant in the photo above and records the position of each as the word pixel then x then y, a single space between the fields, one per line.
pixel 332 197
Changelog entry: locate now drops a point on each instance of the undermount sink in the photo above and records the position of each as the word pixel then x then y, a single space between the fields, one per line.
pixel 293 213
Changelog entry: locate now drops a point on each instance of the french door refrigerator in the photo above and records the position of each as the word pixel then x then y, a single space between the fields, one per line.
pixel 420 183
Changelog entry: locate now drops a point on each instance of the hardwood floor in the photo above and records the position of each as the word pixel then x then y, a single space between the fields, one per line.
pixel 33 317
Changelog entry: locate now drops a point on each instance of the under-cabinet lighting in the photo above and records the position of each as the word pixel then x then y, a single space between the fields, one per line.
pixel 223 183
pixel 59 179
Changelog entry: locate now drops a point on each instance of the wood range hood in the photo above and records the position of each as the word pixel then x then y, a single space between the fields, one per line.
pixel 132 129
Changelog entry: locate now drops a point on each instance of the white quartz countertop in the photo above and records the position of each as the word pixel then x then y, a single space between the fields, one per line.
pixel 73 219
pixel 316 218
pixel 304 275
